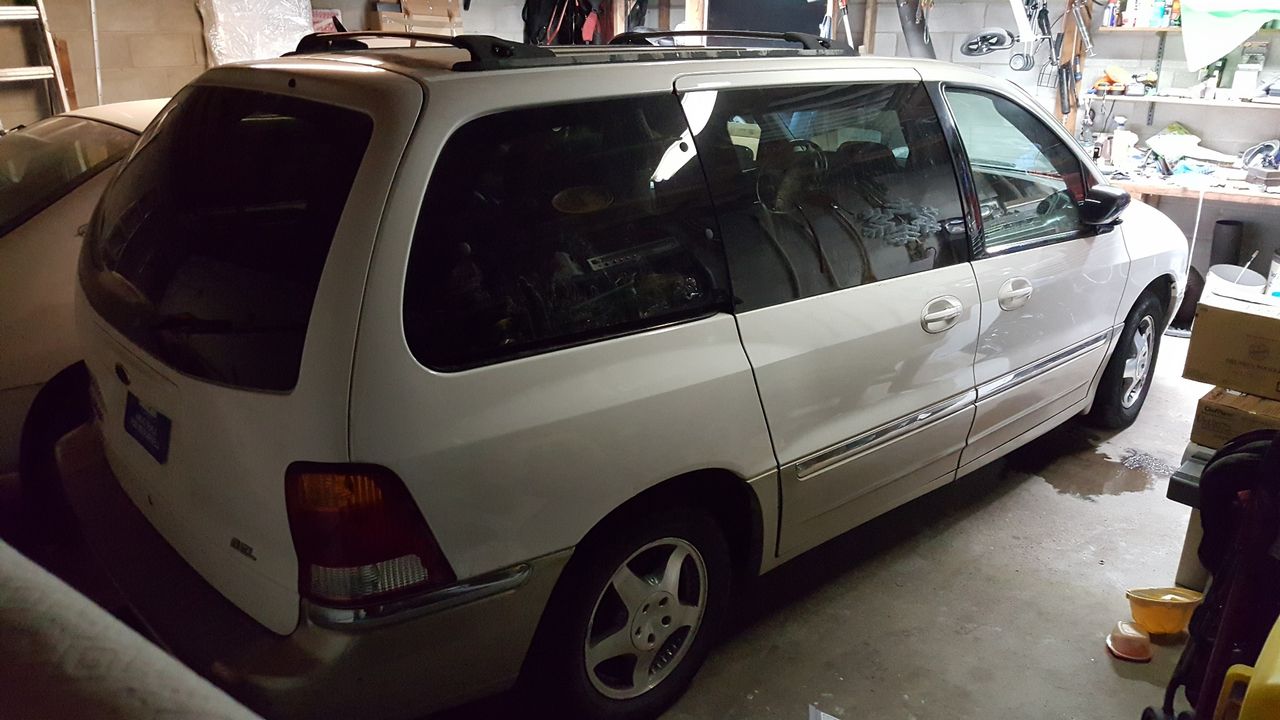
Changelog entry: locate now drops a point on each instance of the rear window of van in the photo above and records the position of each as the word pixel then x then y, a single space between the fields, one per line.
pixel 208 247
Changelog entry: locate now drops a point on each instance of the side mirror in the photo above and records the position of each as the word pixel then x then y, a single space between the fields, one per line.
pixel 1103 205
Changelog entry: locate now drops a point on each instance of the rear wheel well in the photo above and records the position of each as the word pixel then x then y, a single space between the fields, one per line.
pixel 721 494
pixel 1163 288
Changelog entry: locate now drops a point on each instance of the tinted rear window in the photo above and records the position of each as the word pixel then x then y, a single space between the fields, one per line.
pixel 208 247
pixel 43 162
pixel 555 226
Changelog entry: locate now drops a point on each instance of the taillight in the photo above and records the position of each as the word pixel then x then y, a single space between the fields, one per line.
pixel 359 535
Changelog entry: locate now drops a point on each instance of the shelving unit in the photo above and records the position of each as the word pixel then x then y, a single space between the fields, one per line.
pixel 1139 30
pixel 1163 30
pixel 1203 102
pixel 1153 100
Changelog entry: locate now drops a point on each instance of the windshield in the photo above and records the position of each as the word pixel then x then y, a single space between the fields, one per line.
pixel 43 162
pixel 208 247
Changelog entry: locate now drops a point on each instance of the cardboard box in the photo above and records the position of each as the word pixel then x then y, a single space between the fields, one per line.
pixel 1225 414
pixel 1235 344
pixel 390 21
pixel 446 10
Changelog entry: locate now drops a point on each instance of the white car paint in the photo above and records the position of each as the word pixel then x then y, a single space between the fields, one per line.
pixel 516 460
pixel 37 272
pixel 229 449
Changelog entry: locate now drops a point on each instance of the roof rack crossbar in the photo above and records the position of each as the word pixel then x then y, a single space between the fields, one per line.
pixel 486 50
pixel 805 40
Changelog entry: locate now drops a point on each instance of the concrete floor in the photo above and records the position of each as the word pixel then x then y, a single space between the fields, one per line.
pixel 989 598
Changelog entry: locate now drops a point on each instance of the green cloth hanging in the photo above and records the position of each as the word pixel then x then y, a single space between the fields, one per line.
pixel 1213 28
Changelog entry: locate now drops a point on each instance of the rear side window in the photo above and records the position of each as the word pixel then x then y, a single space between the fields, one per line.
pixel 208 247
pixel 553 226
pixel 824 188
pixel 41 163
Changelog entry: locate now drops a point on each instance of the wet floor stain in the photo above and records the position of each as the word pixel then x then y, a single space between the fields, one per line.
pixel 1078 462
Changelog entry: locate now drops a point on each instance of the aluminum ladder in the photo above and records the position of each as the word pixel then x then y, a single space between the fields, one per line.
pixel 51 74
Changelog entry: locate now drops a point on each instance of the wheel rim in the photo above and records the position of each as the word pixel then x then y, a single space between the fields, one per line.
pixel 1137 363
pixel 644 621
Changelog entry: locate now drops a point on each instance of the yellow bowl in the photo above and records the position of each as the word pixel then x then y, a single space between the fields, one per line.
pixel 1163 611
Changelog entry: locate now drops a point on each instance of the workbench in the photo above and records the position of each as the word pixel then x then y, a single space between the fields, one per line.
pixel 1154 189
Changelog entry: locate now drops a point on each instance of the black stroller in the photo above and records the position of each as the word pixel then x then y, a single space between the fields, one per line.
pixel 1240 514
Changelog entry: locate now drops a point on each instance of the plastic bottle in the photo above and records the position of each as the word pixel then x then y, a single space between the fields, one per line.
pixel 1110 15
pixel 1123 142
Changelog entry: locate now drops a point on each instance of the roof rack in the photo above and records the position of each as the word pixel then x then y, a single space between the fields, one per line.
pixel 805 40
pixel 493 53
pixel 487 52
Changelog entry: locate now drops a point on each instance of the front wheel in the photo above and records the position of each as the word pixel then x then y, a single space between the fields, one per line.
pixel 634 618
pixel 1127 379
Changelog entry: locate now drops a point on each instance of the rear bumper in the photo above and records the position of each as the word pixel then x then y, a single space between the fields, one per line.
pixel 465 643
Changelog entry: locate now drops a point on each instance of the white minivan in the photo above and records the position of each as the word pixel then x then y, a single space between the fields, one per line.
pixel 419 371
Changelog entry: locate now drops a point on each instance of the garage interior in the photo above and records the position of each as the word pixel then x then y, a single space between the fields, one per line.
pixel 994 596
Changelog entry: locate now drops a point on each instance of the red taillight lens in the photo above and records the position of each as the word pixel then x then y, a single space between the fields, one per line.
pixel 359 535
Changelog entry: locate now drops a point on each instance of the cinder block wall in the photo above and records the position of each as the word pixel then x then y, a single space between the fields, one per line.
pixel 148 48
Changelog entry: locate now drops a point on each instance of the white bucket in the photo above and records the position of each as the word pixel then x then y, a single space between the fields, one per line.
pixel 1233 281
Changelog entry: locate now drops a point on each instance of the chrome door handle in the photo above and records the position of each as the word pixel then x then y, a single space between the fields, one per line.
pixel 941 314
pixel 1015 293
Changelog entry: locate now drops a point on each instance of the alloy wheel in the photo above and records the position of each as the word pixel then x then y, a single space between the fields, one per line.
pixel 1138 362
pixel 645 619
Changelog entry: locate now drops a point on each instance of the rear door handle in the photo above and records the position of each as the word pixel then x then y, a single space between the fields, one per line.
pixel 941 314
pixel 1015 293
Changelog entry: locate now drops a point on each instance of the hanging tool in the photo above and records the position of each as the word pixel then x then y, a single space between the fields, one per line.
pixel 922 16
pixel 844 20
pixel 1065 88
pixel 1033 28
pixel 1082 26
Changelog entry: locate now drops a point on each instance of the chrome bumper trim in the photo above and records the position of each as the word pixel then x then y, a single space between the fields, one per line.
pixel 1039 367
pixel 837 454
pixel 465 592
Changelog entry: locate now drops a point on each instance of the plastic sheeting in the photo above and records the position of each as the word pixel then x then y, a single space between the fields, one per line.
pixel 238 30
pixel 1213 28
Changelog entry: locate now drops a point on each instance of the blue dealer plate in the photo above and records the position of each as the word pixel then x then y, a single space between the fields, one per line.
pixel 149 427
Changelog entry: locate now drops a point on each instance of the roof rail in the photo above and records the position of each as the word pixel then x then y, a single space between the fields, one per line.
pixel 805 40
pixel 486 51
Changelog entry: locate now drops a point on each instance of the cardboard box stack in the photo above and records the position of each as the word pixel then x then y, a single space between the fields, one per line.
pixel 1235 345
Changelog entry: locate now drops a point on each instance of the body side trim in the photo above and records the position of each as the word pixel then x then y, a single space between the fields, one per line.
pixel 892 430
pixel 1039 367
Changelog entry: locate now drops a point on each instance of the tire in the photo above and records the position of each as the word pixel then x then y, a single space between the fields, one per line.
pixel 1127 379
pixel 1186 314
pixel 61 406
pixel 572 672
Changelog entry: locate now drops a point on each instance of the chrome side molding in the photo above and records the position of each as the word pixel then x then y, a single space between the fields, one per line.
pixel 837 454
pixel 1043 365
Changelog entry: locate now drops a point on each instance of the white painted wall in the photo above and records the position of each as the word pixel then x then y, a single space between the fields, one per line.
pixel 500 18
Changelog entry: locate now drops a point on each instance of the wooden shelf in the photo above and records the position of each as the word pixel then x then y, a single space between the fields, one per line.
pixel 1139 29
pixel 1201 102
pixel 1164 30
